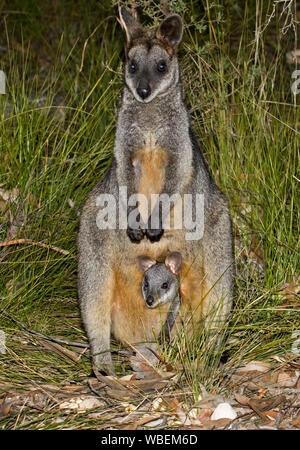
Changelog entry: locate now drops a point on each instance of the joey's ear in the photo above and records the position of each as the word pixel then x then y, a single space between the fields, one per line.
pixel 174 262
pixel 132 27
pixel 170 30
pixel 145 262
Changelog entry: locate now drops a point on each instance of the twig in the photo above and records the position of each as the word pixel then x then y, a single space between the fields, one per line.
pixel 102 397
pixel 113 382
pixel 241 416
pixel 39 244
pixel 43 336
pixel 87 39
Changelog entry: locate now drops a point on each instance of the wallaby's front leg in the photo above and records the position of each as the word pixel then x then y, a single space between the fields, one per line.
pixel 128 173
pixel 135 227
pixel 172 187
pixel 164 335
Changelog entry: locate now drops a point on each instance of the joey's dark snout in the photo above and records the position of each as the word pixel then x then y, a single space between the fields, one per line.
pixel 144 89
pixel 150 300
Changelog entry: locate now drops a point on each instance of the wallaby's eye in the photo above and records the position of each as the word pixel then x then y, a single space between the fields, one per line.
pixel 164 286
pixel 162 66
pixel 132 67
pixel 146 284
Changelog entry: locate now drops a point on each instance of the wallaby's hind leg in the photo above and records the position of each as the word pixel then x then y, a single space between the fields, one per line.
pixel 95 287
pixel 217 288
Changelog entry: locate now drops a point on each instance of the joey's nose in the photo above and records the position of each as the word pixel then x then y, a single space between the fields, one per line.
pixel 144 91
pixel 150 300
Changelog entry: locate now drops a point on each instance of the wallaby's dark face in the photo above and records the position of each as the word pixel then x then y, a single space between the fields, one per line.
pixel 151 66
pixel 150 72
pixel 160 283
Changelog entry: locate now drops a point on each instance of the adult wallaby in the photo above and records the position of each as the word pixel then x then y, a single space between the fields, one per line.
pixel 155 152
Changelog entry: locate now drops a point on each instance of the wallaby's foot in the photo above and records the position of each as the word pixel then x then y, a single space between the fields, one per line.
pixel 103 363
pixel 154 235
pixel 144 360
pixel 135 235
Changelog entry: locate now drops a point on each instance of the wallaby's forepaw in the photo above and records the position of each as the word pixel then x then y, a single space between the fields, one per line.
pixel 154 235
pixel 135 235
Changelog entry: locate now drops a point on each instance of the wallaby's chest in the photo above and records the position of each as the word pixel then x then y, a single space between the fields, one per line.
pixel 149 169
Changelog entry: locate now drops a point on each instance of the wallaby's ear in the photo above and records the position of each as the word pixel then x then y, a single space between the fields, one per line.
pixel 174 262
pixel 170 30
pixel 132 27
pixel 145 262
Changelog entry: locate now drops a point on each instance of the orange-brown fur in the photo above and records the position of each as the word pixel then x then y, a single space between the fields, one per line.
pixel 152 165
pixel 132 320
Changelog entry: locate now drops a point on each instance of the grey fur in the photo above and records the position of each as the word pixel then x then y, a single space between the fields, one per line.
pixel 159 286
pixel 162 122
pixel 153 292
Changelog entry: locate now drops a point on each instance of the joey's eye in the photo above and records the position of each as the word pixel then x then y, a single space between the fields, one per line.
pixel 162 66
pixel 164 286
pixel 146 284
pixel 132 67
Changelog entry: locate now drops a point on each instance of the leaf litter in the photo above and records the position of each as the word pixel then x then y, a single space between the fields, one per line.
pixel 258 395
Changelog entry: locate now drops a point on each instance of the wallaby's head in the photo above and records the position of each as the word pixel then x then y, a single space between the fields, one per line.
pixel 160 282
pixel 151 67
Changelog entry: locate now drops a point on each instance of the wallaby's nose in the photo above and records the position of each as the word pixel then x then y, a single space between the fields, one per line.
pixel 150 300
pixel 144 91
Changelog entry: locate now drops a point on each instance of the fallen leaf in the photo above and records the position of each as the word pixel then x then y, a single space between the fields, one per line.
pixel 81 403
pixel 224 411
pixel 9 195
pixel 258 366
pixel 4 409
pixel 176 407
pixel 262 392
pixel 271 414
pixel 209 401
pixel 158 405
pixel 287 379
pixel 140 422
pixel 261 406
pixel 296 421
pixel 129 377
pixel 156 423
pixel 213 424
pixel 171 403
pixel 183 417
pixel 205 414
pixel 242 399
